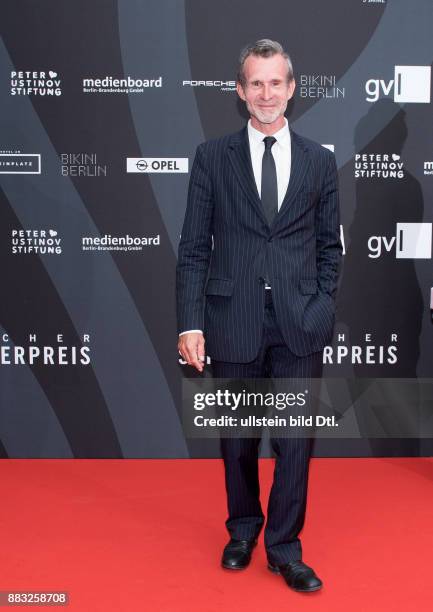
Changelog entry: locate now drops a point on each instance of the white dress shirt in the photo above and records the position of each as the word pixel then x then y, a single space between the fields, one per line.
pixel 282 154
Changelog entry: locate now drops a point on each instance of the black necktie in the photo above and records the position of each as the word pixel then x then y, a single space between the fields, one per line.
pixel 269 193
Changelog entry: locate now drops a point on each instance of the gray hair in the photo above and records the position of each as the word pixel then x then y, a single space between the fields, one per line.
pixel 263 48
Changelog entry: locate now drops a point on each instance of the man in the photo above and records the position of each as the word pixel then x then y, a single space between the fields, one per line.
pixel 256 279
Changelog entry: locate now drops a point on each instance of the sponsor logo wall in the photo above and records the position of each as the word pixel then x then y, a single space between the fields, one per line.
pixel 88 319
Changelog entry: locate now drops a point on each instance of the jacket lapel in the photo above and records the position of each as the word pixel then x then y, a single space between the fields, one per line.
pixel 240 158
pixel 300 164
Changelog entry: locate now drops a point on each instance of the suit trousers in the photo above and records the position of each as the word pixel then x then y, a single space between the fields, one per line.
pixel 288 496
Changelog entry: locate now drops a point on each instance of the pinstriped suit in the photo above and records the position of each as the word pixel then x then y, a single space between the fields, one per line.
pixel 300 251
pixel 226 251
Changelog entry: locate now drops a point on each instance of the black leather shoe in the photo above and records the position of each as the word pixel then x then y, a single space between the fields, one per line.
pixel 298 576
pixel 237 554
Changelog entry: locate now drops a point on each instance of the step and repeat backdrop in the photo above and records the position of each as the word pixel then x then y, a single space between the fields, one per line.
pixel 103 104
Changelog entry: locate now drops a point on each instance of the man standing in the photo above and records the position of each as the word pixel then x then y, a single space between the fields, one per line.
pixel 256 279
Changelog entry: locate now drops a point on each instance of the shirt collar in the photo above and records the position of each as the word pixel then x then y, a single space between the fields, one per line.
pixel 282 136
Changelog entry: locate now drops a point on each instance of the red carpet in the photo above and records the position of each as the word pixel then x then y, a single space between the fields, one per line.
pixel 138 535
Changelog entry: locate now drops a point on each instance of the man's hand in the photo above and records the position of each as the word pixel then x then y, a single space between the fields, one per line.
pixel 191 348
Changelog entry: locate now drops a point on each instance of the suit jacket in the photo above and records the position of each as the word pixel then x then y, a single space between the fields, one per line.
pixel 227 249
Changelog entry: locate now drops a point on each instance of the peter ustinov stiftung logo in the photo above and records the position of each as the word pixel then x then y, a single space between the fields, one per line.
pixel 410 84
pixel 36 241
pixel 35 83
pixel 20 163
pixel 410 241
pixel 163 165
pixel 378 165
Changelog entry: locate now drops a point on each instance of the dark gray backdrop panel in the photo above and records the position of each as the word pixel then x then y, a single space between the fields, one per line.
pixel 127 401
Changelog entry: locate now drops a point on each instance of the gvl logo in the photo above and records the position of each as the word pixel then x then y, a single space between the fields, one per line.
pixel 410 84
pixel 411 241
pixel 157 164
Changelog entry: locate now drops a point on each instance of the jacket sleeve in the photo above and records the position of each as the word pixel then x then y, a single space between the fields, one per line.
pixel 195 247
pixel 328 243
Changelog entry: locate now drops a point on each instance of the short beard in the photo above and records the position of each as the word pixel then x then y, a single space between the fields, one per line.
pixel 266 117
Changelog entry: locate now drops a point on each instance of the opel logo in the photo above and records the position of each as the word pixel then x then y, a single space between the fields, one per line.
pixel 142 165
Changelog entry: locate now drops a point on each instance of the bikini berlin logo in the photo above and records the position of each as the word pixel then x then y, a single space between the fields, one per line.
pixel 81 164
pixel 35 83
pixel 320 86
pixel 378 165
